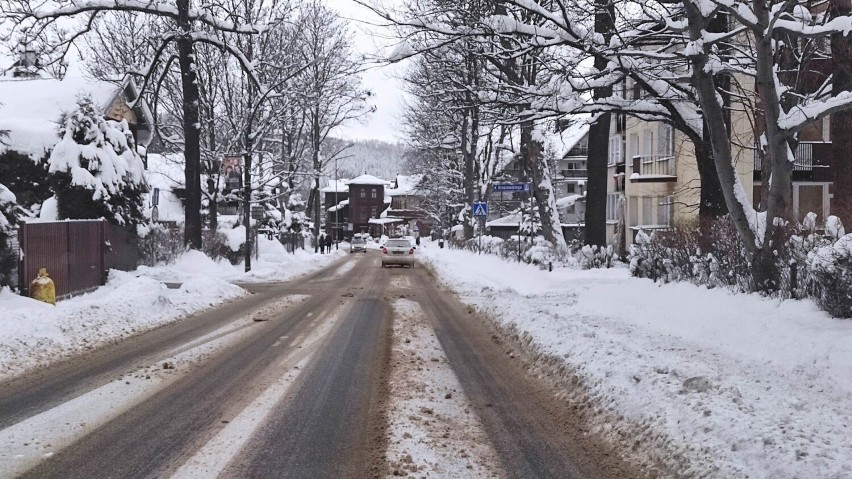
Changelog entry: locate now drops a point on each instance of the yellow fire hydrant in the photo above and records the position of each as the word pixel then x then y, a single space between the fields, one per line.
pixel 42 288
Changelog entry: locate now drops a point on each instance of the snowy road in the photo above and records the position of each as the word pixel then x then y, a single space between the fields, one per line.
pixel 354 371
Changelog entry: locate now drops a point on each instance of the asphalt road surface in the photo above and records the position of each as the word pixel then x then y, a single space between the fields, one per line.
pixel 323 341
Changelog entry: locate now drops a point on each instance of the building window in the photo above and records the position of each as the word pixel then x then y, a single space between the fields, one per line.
pixel 634 146
pixel 648 210
pixel 664 211
pixel 373 212
pixel 363 193
pixel 647 145
pixel 615 150
pixel 373 190
pixel 664 140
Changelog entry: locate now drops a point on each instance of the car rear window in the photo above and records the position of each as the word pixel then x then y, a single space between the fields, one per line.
pixel 399 243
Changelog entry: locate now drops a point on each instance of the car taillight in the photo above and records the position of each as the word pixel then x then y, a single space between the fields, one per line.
pixel 411 251
pixel 385 250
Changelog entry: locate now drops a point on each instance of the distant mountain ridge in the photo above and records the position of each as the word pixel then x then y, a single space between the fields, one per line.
pixel 375 157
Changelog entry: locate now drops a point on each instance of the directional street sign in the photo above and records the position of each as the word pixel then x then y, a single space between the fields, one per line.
pixel 480 209
pixel 512 187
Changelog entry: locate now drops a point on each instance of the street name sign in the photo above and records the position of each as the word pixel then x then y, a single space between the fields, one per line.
pixel 512 187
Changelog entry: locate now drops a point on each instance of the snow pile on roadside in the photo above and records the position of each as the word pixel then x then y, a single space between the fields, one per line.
pixel 274 263
pixel 718 384
pixel 33 334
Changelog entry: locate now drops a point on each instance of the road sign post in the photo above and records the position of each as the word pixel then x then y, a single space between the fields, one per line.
pixel 480 212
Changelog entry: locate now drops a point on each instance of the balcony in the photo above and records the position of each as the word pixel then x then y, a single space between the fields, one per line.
pixel 651 168
pixel 576 173
pixel 812 162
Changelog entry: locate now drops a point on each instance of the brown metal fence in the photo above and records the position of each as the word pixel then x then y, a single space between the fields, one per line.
pixel 76 253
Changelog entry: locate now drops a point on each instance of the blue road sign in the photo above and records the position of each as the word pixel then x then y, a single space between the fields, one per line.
pixel 512 187
pixel 480 209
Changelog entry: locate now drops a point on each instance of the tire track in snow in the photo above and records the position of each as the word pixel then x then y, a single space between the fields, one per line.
pixel 27 443
pixel 214 456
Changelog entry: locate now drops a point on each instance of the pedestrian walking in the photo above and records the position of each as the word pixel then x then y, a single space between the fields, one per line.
pixel 322 243
pixel 328 243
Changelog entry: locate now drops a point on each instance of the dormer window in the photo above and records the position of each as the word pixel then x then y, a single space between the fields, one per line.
pixel 27 65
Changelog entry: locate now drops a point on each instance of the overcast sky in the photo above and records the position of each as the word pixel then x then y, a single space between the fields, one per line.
pixel 387 95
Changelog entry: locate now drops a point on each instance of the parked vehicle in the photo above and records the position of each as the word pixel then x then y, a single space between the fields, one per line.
pixel 398 251
pixel 357 245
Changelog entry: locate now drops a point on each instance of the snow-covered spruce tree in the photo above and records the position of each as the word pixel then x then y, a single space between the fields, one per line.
pixel 95 169
pixel 8 218
pixel 26 178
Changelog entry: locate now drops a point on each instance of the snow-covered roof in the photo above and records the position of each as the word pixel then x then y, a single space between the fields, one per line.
pixel 367 180
pixel 30 108
pixel 407 185
pixel 560 143
pixel 568 201
pixel 338 186
pixel 338 206
pixel 384 221
pixel 509 220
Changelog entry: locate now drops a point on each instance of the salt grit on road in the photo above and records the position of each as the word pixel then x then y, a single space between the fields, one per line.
pixel 433 431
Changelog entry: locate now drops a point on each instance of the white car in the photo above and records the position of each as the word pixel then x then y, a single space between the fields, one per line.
pixel 398 251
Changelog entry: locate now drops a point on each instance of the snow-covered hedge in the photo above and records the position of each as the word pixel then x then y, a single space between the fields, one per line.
pixel 812 264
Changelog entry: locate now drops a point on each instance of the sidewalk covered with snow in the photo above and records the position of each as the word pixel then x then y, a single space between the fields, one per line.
pixel 710 383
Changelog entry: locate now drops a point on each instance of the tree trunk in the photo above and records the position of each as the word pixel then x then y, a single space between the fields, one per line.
pixel 249 146
pixel 779 202
pixel 467 174
pixel 841 123
pixel 594 233
pixel 315 140
pixel 192 145
pixel 542 188
pixel 712 199
pixel 213 185
pixel 717 130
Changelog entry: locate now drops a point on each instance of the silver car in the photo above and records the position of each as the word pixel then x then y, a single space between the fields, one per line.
pixel 398 251
pixel 357 245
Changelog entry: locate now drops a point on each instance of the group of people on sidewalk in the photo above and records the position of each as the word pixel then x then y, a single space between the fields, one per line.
pixel 324 243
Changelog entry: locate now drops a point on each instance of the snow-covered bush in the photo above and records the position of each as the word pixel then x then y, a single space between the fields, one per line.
pixel 96 171
pixel 714 258
pixel 829 274
pixel 594 256
pixel 159 244
pixel 812 263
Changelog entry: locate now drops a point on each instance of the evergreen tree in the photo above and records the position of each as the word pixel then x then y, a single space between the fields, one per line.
pixel 8 218
pixel 96 171
pixel 25 178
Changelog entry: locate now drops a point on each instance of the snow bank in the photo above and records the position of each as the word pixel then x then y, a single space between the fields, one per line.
pixel 34 333
pixel 721 385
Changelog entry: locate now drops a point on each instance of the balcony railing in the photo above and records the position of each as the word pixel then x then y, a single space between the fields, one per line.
pixel 805 155
pixel 574 173
pixel 652 168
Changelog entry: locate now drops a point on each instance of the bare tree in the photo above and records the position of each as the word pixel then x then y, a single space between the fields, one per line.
pixel 333 95
pixel 192 22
